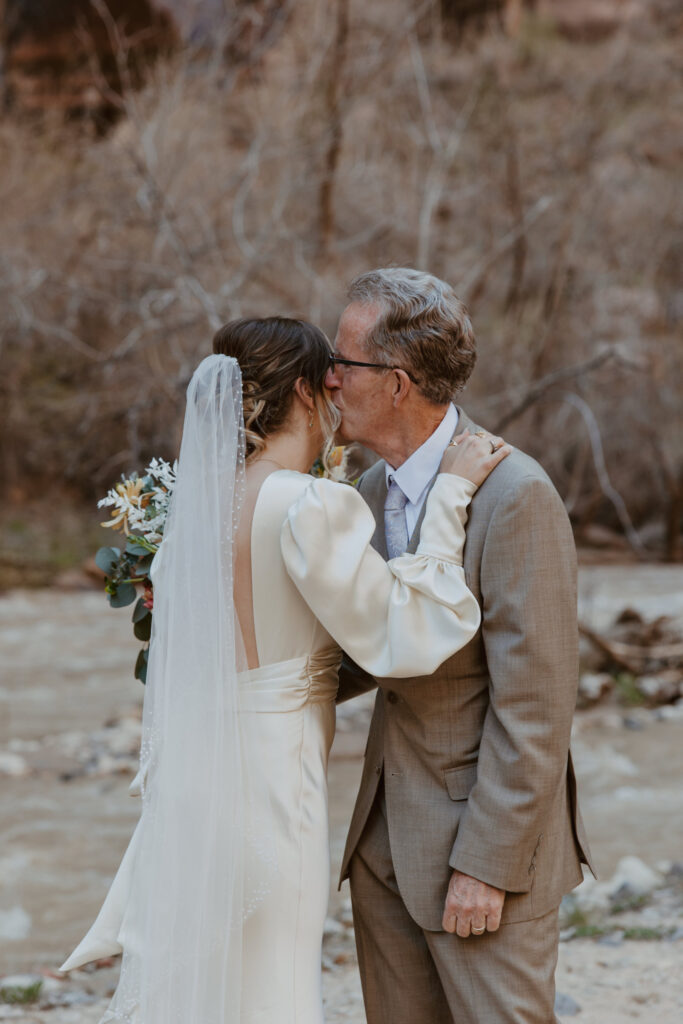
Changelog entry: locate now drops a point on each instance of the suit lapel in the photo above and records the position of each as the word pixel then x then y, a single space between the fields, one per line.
pixel 373 488
pixel 465 423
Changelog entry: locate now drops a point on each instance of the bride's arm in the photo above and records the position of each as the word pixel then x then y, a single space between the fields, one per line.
pixel 398 618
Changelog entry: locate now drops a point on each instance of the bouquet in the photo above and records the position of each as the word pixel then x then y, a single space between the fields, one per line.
pixel 139 507
pixel 336 465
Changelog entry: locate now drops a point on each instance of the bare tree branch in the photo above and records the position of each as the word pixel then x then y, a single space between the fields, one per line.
pixel 540 388
pixel 633 657
pixel 540 207
pixel 606 485
pixel 335 127
pixel 443 154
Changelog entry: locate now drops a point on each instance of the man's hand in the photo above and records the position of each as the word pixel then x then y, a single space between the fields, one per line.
pixel 472 907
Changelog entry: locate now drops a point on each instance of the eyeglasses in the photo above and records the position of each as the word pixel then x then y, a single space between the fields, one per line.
pixel 337 360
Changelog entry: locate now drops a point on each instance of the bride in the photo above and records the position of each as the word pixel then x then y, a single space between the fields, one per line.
pixel 264 575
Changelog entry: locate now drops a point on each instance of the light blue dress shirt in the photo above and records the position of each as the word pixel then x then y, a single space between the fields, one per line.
pixel 417 472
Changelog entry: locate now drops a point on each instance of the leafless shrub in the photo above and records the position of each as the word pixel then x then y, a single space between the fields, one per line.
pixel 535 174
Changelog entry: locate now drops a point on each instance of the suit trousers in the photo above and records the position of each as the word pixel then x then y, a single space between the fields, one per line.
pixel 413 976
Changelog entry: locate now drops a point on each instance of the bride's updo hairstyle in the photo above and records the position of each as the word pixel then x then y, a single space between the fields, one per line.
pixel 273 353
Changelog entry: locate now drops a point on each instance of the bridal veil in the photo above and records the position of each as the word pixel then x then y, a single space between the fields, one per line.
pixel 202 863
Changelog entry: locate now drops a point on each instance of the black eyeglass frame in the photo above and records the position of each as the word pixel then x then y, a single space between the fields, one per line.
pixel 375 366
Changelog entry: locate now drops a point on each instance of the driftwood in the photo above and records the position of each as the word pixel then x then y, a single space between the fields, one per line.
pixel 633 657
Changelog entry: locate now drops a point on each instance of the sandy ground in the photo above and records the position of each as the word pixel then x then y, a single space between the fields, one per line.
pixel 68 734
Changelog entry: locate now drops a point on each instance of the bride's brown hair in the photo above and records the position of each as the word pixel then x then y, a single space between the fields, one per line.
pixel 273 353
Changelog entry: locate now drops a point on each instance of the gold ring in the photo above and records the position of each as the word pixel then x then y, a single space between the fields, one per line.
pixel 480 433
pixel 453 443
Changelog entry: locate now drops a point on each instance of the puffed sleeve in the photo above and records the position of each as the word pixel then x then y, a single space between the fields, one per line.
pixel 395 619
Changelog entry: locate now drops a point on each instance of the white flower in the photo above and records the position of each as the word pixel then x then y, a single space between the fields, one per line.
pixel 140 507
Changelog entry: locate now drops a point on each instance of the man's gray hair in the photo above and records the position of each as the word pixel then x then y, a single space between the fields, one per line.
pixel 422 327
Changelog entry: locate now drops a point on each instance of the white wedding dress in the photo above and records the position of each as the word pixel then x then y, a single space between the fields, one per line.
pixel 318 586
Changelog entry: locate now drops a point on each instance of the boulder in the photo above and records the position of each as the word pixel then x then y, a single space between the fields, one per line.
pixel 566 1006
pixel 593 686
pixel 65 55
pixel 77 58
pixel 661 687
pixel 633 878
pixel 589 903
pixel 13 764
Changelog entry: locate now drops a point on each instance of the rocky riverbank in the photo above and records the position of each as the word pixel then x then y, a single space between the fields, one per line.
pixel 69 733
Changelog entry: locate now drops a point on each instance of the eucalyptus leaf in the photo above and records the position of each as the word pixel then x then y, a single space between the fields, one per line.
pixel 143 627
pixel 133 547
pixel 128 563
pixel 139 611
pixel 144 565
pixel 141 665
pixel 125 595
pixel 106 559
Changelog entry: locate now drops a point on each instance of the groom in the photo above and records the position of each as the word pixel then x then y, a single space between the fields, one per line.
pixel 466 831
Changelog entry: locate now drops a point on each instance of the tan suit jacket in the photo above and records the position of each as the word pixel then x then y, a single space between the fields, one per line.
pixel 475 758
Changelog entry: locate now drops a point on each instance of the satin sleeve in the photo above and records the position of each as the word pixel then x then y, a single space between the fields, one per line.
pixel 399 618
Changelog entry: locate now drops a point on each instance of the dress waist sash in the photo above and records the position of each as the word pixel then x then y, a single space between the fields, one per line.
pixel 285 686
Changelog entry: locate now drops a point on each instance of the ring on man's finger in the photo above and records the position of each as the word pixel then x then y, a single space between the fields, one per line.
pixel 478 931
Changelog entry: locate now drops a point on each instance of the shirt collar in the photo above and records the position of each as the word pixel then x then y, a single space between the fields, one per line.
pixel 416 472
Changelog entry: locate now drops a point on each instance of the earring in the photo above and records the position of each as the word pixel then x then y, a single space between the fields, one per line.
pixel 310 420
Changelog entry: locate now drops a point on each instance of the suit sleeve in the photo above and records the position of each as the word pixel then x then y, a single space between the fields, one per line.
pixel 394 619
pixel 530 634
pixel 353 681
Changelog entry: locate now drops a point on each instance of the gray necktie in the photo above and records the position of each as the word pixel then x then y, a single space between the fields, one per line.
pixel 395 526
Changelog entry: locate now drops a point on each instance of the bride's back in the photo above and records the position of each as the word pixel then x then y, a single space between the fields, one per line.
pixel 276 623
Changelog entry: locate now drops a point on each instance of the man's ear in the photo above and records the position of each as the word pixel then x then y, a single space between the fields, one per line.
pixel 402 386
pixel 305 392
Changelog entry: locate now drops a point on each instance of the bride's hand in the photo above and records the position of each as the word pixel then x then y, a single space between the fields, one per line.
pixel 472 456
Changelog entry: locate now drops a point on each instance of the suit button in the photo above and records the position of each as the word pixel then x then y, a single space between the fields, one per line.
pixel 392 697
